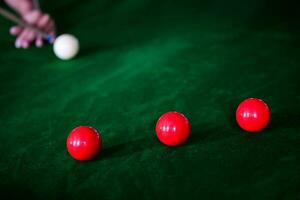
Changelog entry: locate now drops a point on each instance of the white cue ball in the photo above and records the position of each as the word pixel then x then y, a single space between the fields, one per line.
pixel 66 46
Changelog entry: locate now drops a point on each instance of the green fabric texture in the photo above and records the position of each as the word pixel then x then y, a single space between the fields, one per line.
pixel 138 60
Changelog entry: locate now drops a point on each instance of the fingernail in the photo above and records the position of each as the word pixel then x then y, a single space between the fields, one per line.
pixel 18 44
pixel 39 44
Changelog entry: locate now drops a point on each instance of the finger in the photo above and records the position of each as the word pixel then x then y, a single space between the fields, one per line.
pixel 32 17
pixel 43 21
pixel 49 28
pixel 31 35
pixel 15 30
pixel 18 42
pixel 39 41
pixel 25 44
pixel 22 39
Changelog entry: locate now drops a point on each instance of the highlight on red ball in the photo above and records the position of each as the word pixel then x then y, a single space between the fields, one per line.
pixel 253 115
pixel 84 143
pixel 172 128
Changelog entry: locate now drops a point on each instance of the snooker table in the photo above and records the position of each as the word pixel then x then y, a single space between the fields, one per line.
pixel 138 60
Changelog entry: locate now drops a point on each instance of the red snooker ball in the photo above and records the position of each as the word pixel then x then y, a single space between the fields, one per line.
pixel 84 143
pixel 173 128
pixel 253 115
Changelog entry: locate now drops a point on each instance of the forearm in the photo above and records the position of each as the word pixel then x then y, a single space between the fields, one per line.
pixel 21 6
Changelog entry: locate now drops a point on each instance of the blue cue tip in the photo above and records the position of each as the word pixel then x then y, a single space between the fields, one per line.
pixel 50 38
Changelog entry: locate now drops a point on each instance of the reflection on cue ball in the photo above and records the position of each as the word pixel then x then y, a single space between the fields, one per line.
pixel 66 46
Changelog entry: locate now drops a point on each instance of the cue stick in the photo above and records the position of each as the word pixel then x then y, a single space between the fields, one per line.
pixel 10 16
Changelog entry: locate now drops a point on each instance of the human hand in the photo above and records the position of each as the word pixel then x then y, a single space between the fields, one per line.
pixel 26 36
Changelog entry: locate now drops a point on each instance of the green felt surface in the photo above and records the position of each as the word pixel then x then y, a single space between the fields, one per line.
pixel 139 59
